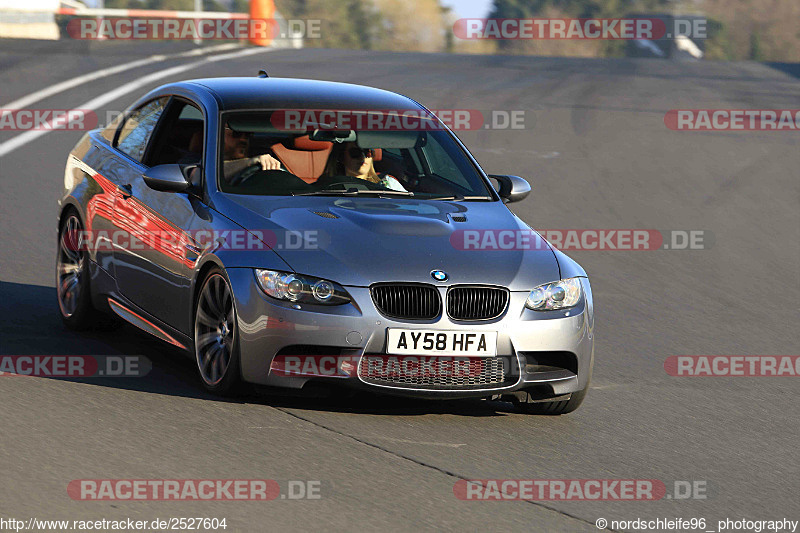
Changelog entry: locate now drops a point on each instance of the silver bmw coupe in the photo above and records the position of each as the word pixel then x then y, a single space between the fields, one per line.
pixel 295 233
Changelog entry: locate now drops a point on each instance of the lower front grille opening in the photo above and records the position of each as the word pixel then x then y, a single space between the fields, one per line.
pixel 438 373
pixel 310 349
pixel 550 362
pixel 536 393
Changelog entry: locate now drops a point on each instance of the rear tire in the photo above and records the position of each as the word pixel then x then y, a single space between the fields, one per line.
pixel 216 336
pixel 561 407
pixel 73 288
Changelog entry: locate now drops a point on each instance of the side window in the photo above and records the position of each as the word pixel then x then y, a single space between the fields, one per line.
pixel 400 163
pixel 138 127
pixel 179 137
pixel 442 164
pixel 111 130
pixel 190 111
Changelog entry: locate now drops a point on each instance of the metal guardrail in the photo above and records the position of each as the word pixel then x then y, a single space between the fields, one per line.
pixel 144 13
pixel 33 24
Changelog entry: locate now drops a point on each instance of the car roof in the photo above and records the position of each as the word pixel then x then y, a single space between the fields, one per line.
pixel 290 93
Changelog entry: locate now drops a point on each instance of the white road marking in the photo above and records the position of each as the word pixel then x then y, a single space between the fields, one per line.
pixel 95 103
pixel 102 73
pixel 426 443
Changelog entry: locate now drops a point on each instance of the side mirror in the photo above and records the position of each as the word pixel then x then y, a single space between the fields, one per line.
pixel 166 178
pixel 512 188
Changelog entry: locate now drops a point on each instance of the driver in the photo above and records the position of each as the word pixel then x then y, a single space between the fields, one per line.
pixel 348 159
pixel 235 161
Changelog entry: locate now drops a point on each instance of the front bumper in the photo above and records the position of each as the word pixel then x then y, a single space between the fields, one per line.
pixel 550 353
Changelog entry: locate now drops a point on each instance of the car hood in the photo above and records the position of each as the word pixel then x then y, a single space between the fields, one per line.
pixel 360 241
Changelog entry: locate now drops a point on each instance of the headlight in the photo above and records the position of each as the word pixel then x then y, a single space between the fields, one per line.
pixel 302 289
pixel 561 294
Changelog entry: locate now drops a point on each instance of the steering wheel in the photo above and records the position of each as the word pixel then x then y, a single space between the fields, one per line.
pixel 329 183
pixel 271 182
pixel 248 172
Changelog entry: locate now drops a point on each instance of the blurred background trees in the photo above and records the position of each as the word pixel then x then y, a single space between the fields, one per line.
pixel 761 30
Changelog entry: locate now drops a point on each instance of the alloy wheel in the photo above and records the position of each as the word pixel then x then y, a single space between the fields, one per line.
pixel 214 329
pixel 69 266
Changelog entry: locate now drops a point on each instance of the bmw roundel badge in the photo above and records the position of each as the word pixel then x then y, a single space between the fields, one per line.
pixel 439 275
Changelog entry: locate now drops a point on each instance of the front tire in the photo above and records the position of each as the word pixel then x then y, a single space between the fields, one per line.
pixel 216 336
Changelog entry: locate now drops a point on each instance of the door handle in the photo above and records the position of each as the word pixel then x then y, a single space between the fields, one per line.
pixel 126 191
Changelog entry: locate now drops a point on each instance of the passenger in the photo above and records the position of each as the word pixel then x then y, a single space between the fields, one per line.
pixel 349 160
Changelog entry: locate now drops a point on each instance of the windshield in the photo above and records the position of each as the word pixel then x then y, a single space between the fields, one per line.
pixel 260 156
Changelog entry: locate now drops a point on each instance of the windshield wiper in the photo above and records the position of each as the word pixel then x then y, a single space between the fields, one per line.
pixel 354 192
pixel 459 198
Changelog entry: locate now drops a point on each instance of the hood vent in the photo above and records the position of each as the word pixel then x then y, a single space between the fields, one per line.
pixel 458 218
pixel 325 214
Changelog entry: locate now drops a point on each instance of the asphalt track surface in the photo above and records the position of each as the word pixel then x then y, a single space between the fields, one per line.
pixel 598 155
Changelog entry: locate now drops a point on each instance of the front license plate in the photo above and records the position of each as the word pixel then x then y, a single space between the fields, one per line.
pixel 437 342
